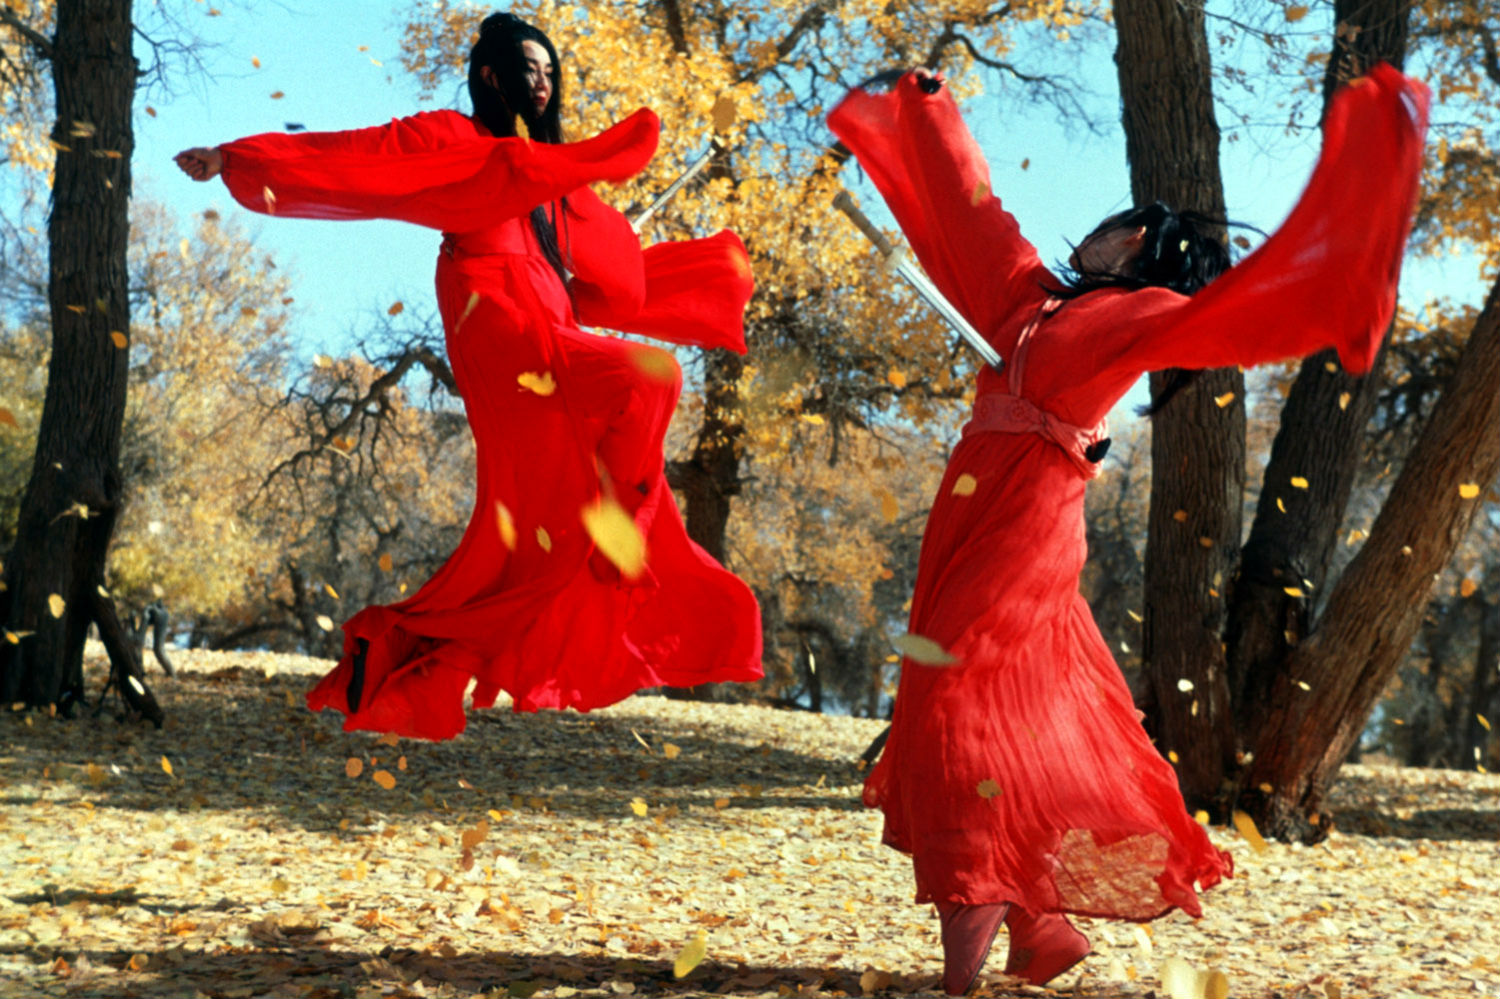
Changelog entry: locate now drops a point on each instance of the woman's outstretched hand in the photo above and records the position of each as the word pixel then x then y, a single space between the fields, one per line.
pixel 200 163
pixel 929 80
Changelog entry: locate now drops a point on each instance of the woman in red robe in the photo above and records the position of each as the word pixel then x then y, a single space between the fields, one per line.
pixel 568 426
pixel 1018 775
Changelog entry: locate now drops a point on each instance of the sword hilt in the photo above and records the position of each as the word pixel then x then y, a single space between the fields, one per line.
pixel 844 203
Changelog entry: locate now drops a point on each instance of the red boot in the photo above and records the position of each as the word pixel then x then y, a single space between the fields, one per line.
pixel 1042 947
pixel 968 933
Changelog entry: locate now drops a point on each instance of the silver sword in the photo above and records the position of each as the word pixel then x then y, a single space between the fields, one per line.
pixel 919 282
pixel 694 168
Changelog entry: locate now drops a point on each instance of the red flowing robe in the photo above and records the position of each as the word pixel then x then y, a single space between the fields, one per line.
pixel 560 417
pixel 1021 772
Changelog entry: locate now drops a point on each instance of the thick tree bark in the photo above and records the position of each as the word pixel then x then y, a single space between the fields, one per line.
pixel 1197 447
pixel 72 500
pixel 1484 680
pixel 1296 530
pixel 1319 703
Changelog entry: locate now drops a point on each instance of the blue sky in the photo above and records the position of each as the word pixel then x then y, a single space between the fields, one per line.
pixel 336 64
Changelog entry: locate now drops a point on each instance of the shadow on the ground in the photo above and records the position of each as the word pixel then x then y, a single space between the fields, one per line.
pixel 1364 807
pixel 236 739
pixel 319 971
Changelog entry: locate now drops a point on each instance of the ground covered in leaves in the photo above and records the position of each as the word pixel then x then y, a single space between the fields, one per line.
pixel 250 848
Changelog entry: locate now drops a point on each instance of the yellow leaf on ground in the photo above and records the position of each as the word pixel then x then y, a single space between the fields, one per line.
pixel 541 383
pixel 671 751
pixel 691 955
pixel 615 533
pixel 638 806
pixel 965 485
pixel 923 651
pixel 1246 825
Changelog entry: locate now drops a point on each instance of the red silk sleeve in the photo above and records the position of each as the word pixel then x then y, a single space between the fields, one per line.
pixel 925 163
pixel 691 292
pixel 1327 277
pixel 424 170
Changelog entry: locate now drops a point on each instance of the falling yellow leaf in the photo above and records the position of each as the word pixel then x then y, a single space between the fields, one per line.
pixel 1206 542
pixel 506 524
pixel 328 588
pixel 151 110
pixel 353 766
pixel 889 508
pixel 1180 516
pixel 724 113
pixel 1026 163
pixel 923 651
pixel 691 955
pixel 119 339
pixel 1483 721
pixel 615 533
pixel 721 803
pixel 385 562
pixel 1185 685
pixel 638 806
pixel 1172 755
pixel 1246 825
pixel 1200 817
pixel 1344 398
pixel 1223 400
pixel 325 622
pixel 396 309
pixel 269 197
pixel 655 363
pixel 965 485
pixel 1469 490
pixel 1304 685
pixel 981 191
pixel 322 361
pixel 1293 591
pixel 384 778
pixel 671 751
pixel 469 308
pixel 1295 12
pixel 255 61
pixel 166 766
pixel 1298 482
pixel 541 383
pixel 1467 588
pixel 812 418
pixel 56 605
pixel 896 377
pixel 277 95
pixel 988 789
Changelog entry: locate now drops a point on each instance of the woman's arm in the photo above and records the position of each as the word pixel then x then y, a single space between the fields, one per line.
pixel 916 149
pixel 1326 278
pixel 430 169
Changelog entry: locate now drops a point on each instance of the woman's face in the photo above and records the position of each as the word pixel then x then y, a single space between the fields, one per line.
pixel 538 74
pixel 1108 252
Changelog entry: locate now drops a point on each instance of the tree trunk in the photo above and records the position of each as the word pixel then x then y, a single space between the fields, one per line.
pixel 72 499
pixel 1319 440
pixel 1197 447
pixel 1319 703
pixel 1484 682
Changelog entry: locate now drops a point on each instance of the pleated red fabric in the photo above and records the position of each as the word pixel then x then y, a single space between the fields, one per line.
pixel 1021 773
pixel 527 604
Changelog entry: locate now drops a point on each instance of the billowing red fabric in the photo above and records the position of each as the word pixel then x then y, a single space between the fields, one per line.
pixel 1084 816
pixel 535 610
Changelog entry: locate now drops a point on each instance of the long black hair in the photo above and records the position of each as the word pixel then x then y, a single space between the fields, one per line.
pixel 498 48
pixel 1183 251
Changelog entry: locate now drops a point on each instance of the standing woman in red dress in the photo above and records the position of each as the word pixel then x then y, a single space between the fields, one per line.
pixel 568 425
pixel 1018 776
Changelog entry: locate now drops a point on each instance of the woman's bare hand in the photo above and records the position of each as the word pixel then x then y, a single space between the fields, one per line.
pixel 200 163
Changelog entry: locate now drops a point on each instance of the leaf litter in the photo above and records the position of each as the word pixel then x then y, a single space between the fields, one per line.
pixel 511 862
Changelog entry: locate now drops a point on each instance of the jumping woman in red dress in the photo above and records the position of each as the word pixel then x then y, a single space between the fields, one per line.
pixel 1019 777
pixel 567 425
